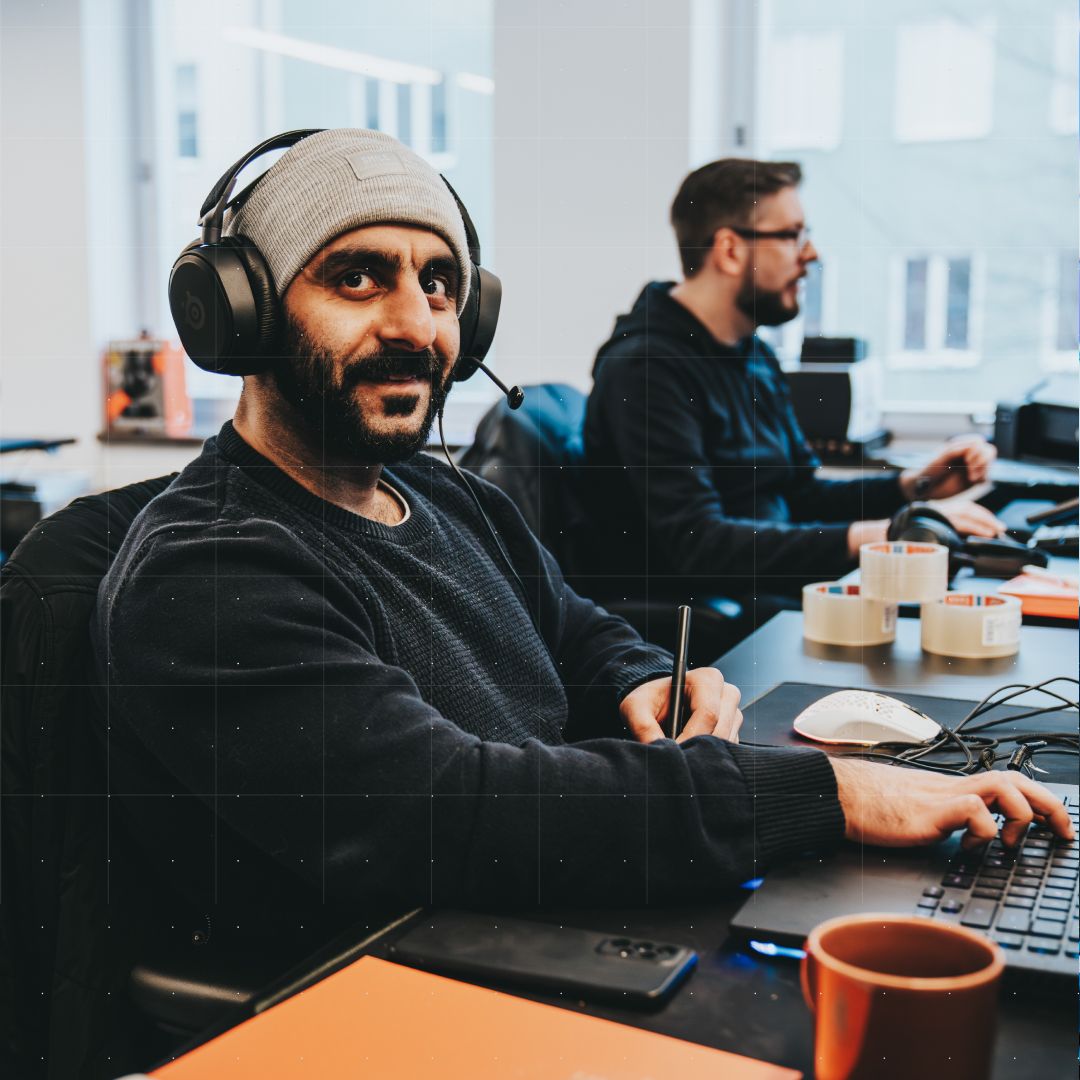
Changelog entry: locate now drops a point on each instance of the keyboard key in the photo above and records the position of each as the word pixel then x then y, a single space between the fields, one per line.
pixel 966 864
pixel 1027 874
pixel 1055 905
pixel 957 881
pixel 987 894
pixel 1051 915
pixel 1042 945
pixel 980 914
pixel 1069 861
pixel 995 874
pixel 1073 935
pixel 1044 928
pixel 1019 902
pixel 1062 873
pixel 1072 951
pixel 951 906
pixel 1050 893
pixel 1035 844
pixel 1021 890
pixel 1038 861
pixel 1013 921
pixel 1009 941
pixel 934 890
pixel 999 862
pixel 929 903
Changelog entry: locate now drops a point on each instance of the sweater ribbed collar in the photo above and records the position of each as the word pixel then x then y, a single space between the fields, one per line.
pixel 231 446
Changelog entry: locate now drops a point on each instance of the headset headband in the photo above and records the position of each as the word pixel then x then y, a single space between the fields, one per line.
pixel 212 212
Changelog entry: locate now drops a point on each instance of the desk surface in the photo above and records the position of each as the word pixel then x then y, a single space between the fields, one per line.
pixel 778 653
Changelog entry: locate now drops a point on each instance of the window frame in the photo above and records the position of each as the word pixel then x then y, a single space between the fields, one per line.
pixel 1050 356
pixel 936 356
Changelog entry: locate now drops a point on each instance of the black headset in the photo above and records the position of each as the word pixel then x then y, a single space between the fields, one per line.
pixel 999 556
pixel 226 310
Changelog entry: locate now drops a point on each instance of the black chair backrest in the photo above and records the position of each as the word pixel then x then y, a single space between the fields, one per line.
pixel 534 455
pixel 55 946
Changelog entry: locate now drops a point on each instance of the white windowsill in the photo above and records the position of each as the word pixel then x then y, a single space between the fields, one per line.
pixel 938 360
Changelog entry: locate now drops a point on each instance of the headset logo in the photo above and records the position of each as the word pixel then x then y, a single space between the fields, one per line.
pixel 194 312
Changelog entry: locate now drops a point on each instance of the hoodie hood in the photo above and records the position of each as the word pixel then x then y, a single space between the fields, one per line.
pixel 658 316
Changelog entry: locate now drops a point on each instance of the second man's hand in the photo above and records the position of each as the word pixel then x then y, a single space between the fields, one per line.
pixel 713 706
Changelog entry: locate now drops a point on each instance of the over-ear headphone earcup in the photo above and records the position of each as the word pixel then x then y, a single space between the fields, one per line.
pixel 478 321
pixel 223 304
pixel 265 295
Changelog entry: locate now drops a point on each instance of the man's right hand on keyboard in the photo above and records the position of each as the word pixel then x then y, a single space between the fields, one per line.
pixel 902 807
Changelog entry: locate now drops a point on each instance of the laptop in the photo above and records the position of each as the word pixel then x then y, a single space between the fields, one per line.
pixel 1025 899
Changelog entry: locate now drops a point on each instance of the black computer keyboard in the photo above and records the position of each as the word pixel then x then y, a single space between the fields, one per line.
pixel 1025 898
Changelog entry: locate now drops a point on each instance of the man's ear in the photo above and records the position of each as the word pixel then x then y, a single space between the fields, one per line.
pixel 728 253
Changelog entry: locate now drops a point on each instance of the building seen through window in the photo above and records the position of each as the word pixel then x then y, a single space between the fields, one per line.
pixel 938 160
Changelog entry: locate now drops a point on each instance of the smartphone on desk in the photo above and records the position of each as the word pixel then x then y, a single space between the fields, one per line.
pixel 538 956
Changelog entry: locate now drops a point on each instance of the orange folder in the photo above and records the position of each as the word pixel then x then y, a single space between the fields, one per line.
pixel 1042 593
pixel 378 1019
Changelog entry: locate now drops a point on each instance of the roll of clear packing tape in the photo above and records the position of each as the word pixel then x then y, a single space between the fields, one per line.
pixel 903 571
pixel 836 614
pixel 971 626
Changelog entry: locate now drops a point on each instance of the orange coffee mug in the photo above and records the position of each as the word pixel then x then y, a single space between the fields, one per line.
pixel 898 996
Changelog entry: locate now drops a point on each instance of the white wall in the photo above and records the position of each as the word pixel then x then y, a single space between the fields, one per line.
pixel 592 138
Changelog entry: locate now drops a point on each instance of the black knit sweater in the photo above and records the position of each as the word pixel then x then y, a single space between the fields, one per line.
pixel 363 716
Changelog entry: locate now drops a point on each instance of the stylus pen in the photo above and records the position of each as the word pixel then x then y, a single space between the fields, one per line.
pixel 678 676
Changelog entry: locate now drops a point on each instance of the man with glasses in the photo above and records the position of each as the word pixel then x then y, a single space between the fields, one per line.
pixel 697 467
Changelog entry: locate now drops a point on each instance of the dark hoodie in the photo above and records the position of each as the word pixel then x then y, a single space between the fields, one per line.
pixel 697 467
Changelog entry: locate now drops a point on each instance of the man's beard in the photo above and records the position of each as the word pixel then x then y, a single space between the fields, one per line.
pixel 319 386
pixel 765 307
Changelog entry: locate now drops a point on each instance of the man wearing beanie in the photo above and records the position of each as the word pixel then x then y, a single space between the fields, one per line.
pixel 312 643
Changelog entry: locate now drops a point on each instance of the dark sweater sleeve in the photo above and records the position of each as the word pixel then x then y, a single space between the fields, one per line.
pixel 813 498
pixel 232 660
pixel 655 423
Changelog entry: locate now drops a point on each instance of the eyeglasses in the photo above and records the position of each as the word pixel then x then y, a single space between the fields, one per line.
pixel 800 236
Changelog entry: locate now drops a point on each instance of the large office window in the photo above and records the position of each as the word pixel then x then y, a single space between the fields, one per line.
pixel 942 197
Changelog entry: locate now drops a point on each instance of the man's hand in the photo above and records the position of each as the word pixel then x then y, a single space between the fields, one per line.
pixel 959 464
pixel 714 707
pixel 865 532
pixel 898 807
pixel 969 518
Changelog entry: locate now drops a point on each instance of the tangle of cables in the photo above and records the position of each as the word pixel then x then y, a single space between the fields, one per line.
pixel 967 748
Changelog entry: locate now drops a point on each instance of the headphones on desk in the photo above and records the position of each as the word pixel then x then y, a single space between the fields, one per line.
pixel 226 311
pixel 998 557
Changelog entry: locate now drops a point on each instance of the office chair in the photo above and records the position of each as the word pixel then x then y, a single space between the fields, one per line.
pixel 535 455
pixel 74 958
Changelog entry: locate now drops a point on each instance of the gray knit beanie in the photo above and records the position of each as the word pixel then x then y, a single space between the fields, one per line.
pixel 339 180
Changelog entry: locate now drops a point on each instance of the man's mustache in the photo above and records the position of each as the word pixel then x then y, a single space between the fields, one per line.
pixel 392 363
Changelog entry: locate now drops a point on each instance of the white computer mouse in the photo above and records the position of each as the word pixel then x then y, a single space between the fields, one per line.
pixel 863 718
